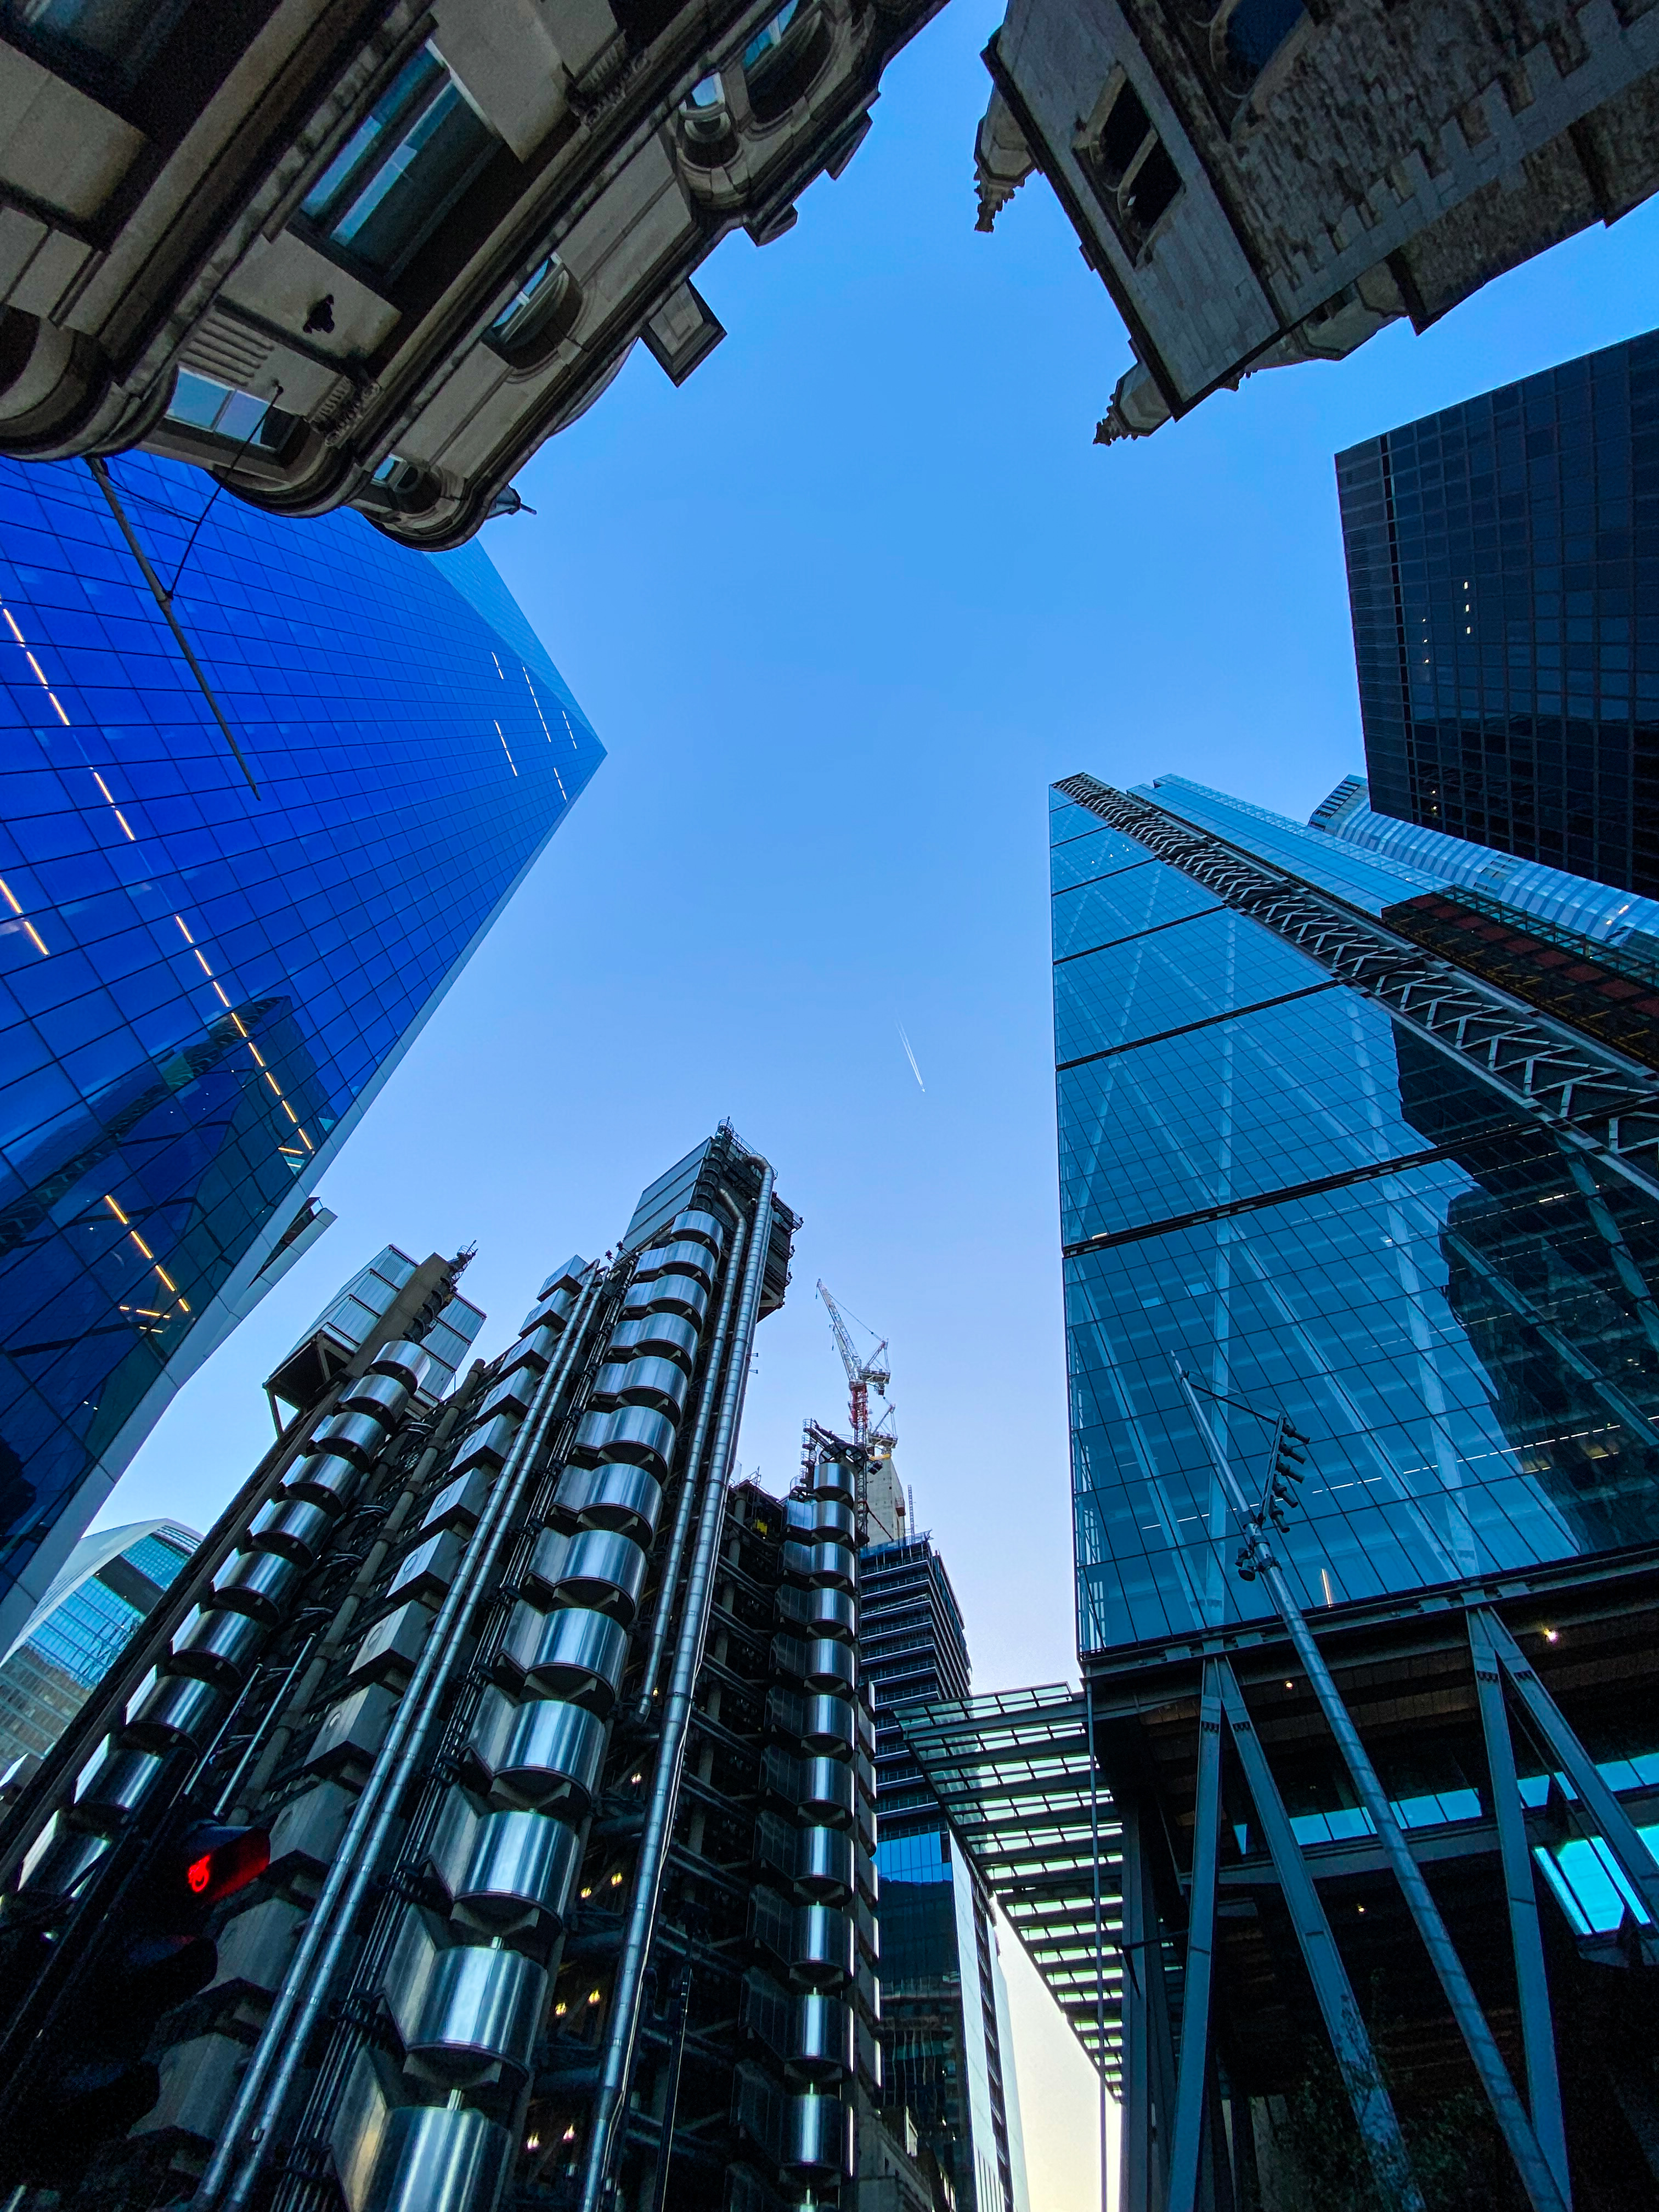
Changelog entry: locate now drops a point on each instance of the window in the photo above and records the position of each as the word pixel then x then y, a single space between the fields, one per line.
pixel 782 58
pixel 540 315
pixel 404 167
pixel 1246 36
pixel 1127 165
pixel 706 128
pixel 240 418
pixel 117 37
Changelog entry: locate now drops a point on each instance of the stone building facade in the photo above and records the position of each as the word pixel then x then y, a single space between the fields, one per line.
pixel 373 253
pixel 1259 182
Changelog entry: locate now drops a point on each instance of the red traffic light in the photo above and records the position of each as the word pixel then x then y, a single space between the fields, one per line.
pixel 218 1860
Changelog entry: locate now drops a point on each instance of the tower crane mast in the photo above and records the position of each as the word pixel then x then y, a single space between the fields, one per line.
pixel 862 1376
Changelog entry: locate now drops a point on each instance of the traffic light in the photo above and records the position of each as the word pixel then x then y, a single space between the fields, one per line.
pixel 90 2079
pixel 1289 1468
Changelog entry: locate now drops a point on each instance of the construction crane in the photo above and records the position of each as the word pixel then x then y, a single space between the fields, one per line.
pixel 862 1376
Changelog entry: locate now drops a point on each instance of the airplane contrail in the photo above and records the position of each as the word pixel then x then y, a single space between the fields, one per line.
pixel 911 1057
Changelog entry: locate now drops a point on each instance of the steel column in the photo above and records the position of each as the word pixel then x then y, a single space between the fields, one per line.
pixel 1373 2108
pixel 1537 2028
pixel 1537 2177
pixel 1187 2134
pixel 1138 2142
pixel 1618 1830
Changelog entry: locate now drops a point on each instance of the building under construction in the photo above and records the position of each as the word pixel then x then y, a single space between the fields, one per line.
pixel 529 1755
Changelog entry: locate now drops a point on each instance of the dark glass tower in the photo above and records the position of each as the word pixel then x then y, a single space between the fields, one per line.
pixel 209 964
pixel 1503 573
pixel 945 2009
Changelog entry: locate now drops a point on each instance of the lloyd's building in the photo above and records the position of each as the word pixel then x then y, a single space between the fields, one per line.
pixel 1341 1865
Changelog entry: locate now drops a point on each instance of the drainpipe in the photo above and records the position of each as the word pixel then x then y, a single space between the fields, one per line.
pixel 677 1714
pixel 247 2132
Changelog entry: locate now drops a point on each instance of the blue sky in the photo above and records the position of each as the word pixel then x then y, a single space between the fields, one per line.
pixel 840 609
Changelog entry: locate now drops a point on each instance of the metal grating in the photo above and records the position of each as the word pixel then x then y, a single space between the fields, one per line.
pixel 1011 1771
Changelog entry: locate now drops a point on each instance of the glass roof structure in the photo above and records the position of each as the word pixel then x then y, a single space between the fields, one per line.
pixel 1013 1773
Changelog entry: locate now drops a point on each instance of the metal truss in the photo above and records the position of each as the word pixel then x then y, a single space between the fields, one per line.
pixel 1590 1097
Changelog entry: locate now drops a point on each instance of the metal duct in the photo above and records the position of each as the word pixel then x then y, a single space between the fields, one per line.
pixel 466 2014
pixel 177 1713
pixel 640 1436
pixel 294 1529
pixel 220 1647
pixel 546 1755
pixel 819 2137
pixel 259 1583
pixel 706 1227
pixel 659 1384
pixel 604 1572
pixel 383 1395
pixel 505 1873
pixel 580 1655
pixel 325 1478
pixel 658 1336
pixel 116 1785
pixel 615 1496
pixel 356 1436
pixel 437 2160
pixel 405 1362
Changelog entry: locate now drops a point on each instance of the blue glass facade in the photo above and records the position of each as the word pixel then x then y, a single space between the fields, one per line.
pixel 1504 574
pixel 201 984
pixel 87 1618
pixel 1266 1180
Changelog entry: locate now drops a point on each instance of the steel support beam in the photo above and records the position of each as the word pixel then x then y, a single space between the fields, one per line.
pixel 1537 2026
pixel 1148 2060
pixel 1536 2176
pixel 1373 2109
pixel 1186 2134
pixel 1617 1831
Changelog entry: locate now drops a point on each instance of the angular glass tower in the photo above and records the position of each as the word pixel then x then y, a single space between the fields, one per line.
pixel 1504 574
pixel 266 784
pixel 1331 1154
pixel 1269 1178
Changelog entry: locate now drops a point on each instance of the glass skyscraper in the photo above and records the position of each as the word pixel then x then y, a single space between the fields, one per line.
pixel 1270 1179
pixel 1316 1166
pixel 1339 1860
pixel 266 783
pixel 949 2058
pixel 95 1608
pixel 1504 574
